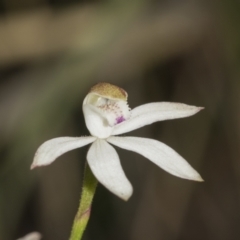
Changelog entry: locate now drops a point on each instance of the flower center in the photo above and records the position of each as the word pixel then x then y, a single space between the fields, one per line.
pixel 104 107
pixel 115 111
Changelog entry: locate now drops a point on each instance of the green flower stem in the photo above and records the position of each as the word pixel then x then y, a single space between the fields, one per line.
pixel 84 210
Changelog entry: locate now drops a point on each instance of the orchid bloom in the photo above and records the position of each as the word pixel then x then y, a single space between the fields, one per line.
pixel 106 115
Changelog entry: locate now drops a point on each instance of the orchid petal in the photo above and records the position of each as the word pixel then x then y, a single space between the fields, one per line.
pixel 31 236
pixel 106 167
pixel 160 154
pixel 96 122
pixel 152 112
pixel 55 147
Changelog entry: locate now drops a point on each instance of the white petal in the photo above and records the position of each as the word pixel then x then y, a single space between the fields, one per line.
pixel 96 123
pixel 31 236
pixel 106 167
pixel 55 147
pixel 153 112
pixel 160 154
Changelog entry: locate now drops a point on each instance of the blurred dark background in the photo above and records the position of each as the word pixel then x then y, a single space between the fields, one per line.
pixel 53 51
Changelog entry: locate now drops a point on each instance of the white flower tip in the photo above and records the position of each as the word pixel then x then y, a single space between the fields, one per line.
pixel 124 192
pixel 199 179
pixel 196 177
pixel 196 109
pixel 33 166
pixel 126 197
pixel 200 108
pixel 36 163
pixel 31 236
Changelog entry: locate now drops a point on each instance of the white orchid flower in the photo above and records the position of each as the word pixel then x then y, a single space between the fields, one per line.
pixel 106 115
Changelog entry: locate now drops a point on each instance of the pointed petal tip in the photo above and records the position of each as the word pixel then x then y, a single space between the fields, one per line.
pixel 198 109
pixel 200 179
pixel 197 178
pixel 32 167
pixel 126 197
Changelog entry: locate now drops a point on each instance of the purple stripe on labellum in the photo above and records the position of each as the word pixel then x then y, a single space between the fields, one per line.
pixel 120 119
